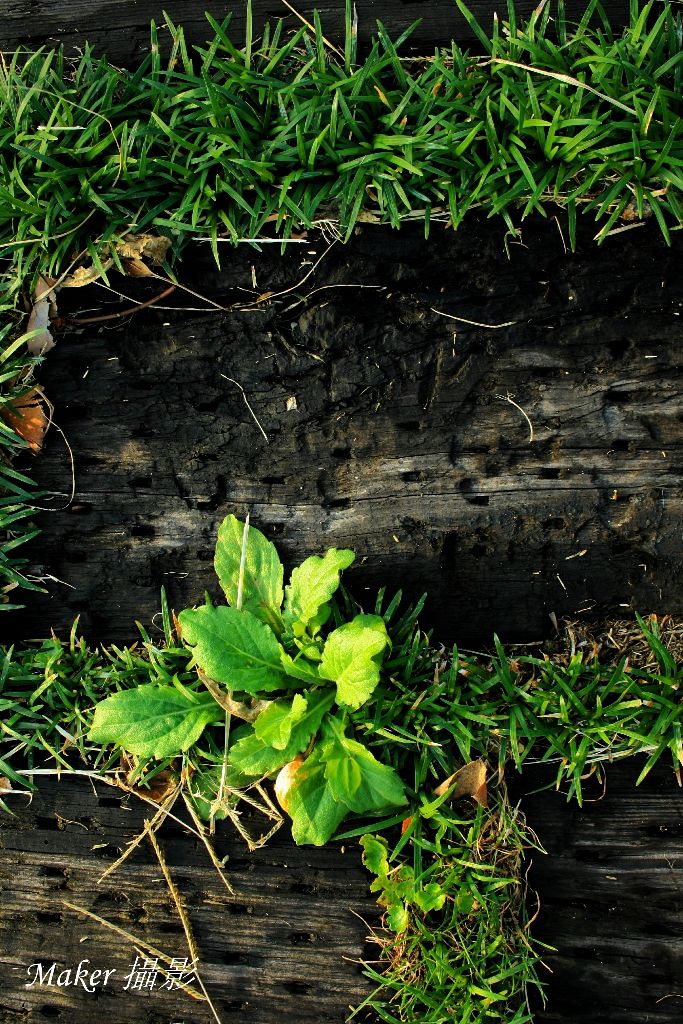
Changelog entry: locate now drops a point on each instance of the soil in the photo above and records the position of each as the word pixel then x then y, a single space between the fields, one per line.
pixel 390 429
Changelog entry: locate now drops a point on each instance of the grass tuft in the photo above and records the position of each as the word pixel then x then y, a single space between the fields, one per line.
pixel 279 133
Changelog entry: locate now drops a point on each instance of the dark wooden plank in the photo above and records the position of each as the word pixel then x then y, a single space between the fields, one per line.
pixel 121 29
pixel 402 445
pixel 611 899
pixel 283 948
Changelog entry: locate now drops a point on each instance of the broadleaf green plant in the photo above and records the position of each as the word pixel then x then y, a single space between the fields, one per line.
pixel 396 885
pixel 154 721
pixel 268 658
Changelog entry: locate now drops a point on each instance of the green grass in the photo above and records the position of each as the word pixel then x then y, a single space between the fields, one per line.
pixel 474 960
pixel 278 132
pixel 241 139
pixel 587 703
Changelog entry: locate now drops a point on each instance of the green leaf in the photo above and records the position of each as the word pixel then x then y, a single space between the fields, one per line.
pixel 252 755
pixel 348 658
pixel 153 721
pixel 319 703
pixel 464 901
pixel 396 889
pixel 315 814
pixel 429 897
pixel 398 917
pixel 355 776
pixel 274 725
pixel 312 585
pixel 299 668
pixel 234 648
pixel 375 854
pixel 316 623
pixel 262 584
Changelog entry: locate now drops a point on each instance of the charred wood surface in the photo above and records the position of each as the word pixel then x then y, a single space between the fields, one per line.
pixel 382 426
pixel 403 443
pixel 389 429
pixel 284 947
pixel 610 898
pixel 281 949
pixel 121 29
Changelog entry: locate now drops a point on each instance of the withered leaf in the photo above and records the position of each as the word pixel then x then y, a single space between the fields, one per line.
pixel 28 416
pixel 136 268
pixel 161 786
pixel 141 247
pixel 83 276
pixel 470 780
pixel 44 307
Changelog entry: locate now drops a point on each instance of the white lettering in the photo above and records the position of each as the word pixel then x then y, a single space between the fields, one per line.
pixel 41 975
pixel 82 978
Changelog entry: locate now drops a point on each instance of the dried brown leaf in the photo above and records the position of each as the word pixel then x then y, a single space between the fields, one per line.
pixel 28 416
pixel 141 247
pixel 136 268
pixel 470 780
pixel 160 787
pixel 83 276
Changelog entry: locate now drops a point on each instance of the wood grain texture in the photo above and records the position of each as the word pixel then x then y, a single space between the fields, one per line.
pixel 611 898
pixel 283 948
pixel 120 28
pixel 402 446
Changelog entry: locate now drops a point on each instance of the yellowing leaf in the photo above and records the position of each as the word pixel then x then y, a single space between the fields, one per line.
pixel 285 781
pixel 349 658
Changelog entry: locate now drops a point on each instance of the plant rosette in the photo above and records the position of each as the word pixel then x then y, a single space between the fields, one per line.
pixel 279 660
